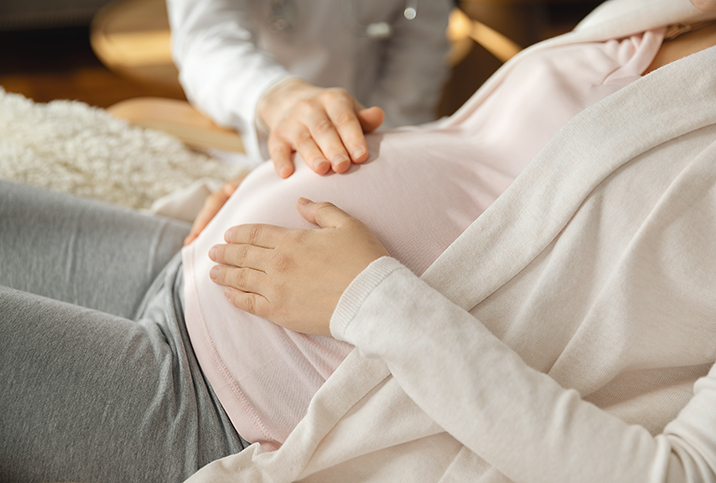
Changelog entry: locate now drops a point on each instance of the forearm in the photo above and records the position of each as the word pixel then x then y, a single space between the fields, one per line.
pixel 221 70
pixel 482 392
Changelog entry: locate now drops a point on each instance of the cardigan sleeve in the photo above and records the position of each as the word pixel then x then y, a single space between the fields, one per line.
pixel 516 418
pixel 220 68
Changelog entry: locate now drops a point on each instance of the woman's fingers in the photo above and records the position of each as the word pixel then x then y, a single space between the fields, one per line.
pixel 243 255
pixel 252 303
pixel 295 277
pixel 244 279
pixel 323 214
pixel 246 286
pixel 265 236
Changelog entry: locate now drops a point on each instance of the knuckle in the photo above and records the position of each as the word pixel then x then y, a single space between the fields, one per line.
pixel 344 119
pixel 275 139
pixel 327 95
pixel 305 105
pixel 242 255
pixel 280 153
pixel 238 278
pixel 278 148
pixel 324 205
pixel 303 137
pixel 283 263
pixel 249 304
pixel 337 94
pixel 254 234
pixel 323 126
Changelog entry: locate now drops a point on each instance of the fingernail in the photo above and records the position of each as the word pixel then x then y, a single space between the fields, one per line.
pixel 213 252
pixel 341 163
pixel 358 152
pixel 214 273
pixel 227 235
pixel 285 172
pixel 304 201
pixel 321 165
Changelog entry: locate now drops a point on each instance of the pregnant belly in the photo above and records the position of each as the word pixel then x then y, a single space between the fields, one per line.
pixel 418 192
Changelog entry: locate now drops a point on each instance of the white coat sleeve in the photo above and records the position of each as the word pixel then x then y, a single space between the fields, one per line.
pixel 415 67
pixel 220 68
pixel 516 418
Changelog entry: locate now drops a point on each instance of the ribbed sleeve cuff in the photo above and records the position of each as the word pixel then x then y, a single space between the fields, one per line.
pixel 358 291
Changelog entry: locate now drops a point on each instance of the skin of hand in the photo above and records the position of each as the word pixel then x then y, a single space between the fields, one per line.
pixel 211 207
pixel 326 126
pixel 705 5
pixel 294 277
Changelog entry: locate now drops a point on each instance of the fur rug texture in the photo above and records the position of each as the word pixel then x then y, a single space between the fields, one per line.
pixel 70 147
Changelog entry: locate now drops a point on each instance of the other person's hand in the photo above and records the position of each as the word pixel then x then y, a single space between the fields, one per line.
pixel 211 207
pixel 293 277
pixel 325 126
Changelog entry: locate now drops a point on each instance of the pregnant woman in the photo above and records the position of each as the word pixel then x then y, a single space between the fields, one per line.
pixel 117 369
pixel 417 193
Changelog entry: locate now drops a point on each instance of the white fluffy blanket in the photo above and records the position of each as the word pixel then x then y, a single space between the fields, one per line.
pixel 70 147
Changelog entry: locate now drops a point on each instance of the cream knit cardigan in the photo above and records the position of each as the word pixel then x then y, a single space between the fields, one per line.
pixel 566 335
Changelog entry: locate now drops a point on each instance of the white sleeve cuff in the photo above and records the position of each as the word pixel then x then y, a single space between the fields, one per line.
pixel 358 291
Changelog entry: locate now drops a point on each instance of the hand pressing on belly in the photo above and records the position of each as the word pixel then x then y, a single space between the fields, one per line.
pixel 293 277
pixel 325 126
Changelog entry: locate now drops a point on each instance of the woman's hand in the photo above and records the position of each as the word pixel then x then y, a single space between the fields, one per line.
pixel 292 277
pixel 211 207
pixel 325 126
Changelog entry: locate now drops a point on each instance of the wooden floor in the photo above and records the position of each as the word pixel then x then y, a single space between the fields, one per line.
pixel 59 64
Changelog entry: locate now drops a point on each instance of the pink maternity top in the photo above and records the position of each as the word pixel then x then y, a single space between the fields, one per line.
pixel 419 190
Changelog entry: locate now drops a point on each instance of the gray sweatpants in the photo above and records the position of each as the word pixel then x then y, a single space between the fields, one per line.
pixel 99 382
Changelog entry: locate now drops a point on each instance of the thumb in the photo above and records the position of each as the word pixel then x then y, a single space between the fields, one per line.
pixel 324 214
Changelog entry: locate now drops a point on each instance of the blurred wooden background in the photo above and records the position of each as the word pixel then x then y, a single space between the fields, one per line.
pixel 57 62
